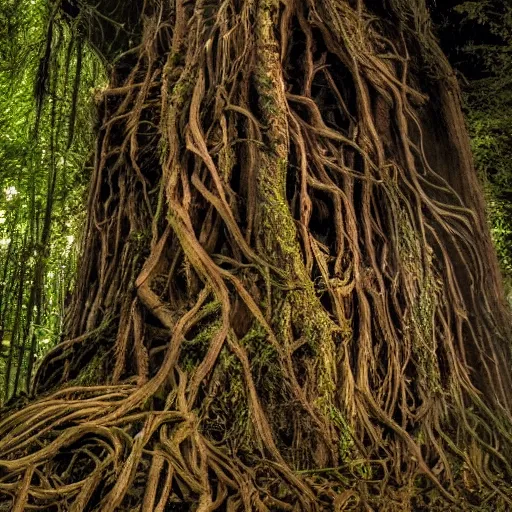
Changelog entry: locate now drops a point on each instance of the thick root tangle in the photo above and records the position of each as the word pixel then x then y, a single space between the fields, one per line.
pixel 285 301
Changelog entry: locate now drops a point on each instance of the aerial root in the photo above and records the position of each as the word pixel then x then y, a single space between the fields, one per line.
pixel 295 298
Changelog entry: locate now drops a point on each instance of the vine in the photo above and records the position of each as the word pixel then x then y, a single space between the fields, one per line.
pixel 297 294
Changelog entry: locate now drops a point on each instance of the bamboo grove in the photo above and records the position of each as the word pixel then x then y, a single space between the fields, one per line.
pixel 287 297
pixel 41 184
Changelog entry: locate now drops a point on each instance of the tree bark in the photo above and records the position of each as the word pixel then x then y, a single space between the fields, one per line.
pixel 288 297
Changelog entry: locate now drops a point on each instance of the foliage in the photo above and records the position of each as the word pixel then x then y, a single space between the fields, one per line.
pixel 42 182
pixel 489 113
pixel 483 55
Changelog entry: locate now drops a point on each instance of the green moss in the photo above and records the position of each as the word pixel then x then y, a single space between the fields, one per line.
pixel 176 59
pixel 212 307
pixel 140 237
pixel 345 442
pixel 233 403
pixel 424 300
pixel 181 90
pixel 92 373
pixel 259 347
pixel 194 350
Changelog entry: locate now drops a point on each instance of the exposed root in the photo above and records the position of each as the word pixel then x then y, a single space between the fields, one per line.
pixel 305 318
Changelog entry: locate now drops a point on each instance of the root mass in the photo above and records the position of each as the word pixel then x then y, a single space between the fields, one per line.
pixel 288 298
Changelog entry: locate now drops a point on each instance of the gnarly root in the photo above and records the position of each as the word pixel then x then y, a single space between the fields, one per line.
pixel 305 310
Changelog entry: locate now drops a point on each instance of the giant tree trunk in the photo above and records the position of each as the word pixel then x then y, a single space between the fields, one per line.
pixel 288 297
